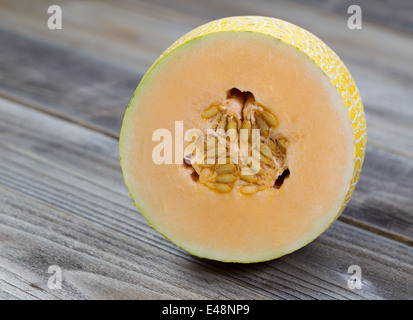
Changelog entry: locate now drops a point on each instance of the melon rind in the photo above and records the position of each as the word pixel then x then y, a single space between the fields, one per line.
pixel 308 44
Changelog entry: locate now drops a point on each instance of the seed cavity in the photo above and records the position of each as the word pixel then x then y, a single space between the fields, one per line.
pixel 235 157
pixel 280 180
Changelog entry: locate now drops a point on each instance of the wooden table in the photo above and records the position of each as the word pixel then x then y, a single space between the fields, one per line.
pixel 62 197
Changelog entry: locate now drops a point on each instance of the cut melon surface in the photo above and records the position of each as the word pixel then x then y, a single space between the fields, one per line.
pixel 290 75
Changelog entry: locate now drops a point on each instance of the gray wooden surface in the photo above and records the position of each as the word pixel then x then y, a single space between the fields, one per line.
pixel 62 198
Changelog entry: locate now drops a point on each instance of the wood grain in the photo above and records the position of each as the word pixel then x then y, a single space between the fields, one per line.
pixel 62 196
pixel 96 262
pixel 65 82
pixel 394 13
pixel 55 210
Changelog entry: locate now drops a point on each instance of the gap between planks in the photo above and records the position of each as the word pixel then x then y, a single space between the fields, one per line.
pixel 375 230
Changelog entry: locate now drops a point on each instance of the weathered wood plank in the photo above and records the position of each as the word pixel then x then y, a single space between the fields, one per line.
pixel 89 91
pixel 58 211
pixel 383 197
pixel 15 286
pixel 96 262
pixel 115 31
pixel 396 13
pixel 5 295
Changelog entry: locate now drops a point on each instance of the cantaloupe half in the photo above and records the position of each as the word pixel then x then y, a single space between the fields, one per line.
pixel 320 133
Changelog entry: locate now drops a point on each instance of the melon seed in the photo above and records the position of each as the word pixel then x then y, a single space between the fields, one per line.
pixel 249 189
pixel 272 146
pixel 261 157
pixel 265 150
pixel 226 178
pixel 226 168
pixel 222 187
pixel 281 144
pixel 269 118
pixel 210 112
pixel 232 130
pixel 262 124
pixel 205 165
pixel 222 125
pixel 246 124
pixel 265 160
pixel 248 178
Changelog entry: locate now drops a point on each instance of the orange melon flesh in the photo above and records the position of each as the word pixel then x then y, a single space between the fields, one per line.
pixel 311 113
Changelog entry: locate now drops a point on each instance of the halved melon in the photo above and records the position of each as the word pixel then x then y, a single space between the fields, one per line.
pixel 244 73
